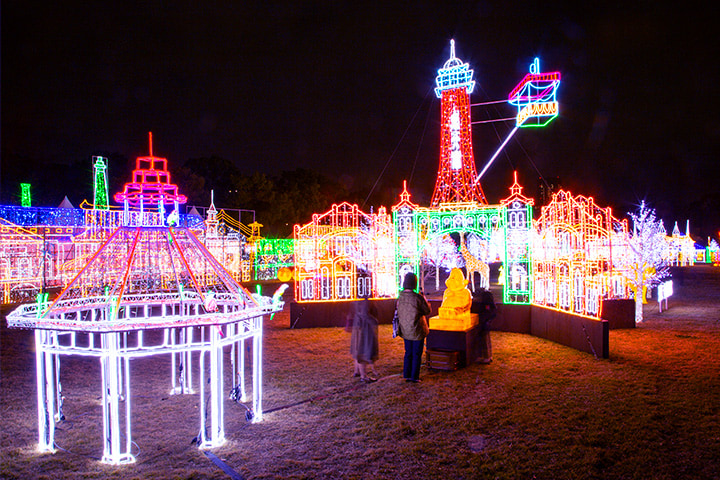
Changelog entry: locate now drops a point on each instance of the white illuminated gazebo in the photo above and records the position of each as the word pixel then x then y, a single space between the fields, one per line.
pixel 151 289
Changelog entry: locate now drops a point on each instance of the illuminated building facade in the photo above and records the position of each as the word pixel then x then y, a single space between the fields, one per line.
pixel 150 273
pixel 577 255
pixel 517 270
pixel 345 254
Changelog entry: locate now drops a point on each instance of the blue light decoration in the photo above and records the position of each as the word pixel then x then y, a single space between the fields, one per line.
pixel 536 97
pixel 454 74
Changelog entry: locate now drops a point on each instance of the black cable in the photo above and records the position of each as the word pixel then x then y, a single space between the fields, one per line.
pixel 382 172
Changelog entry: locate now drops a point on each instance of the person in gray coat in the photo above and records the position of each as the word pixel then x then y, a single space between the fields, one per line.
pixel 412 308
pixel 364 340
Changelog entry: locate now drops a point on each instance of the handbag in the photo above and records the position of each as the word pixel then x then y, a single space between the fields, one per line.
pixel 396 324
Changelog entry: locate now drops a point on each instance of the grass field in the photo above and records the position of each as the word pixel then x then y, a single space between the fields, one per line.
pixel 539 411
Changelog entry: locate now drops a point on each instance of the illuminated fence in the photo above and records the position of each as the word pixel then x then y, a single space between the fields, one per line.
pixel 576 255
pixel 344 254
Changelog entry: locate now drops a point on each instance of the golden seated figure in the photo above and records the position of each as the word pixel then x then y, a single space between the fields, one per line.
pixel 454 313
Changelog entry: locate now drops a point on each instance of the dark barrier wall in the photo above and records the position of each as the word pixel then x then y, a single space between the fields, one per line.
pixel 619 313
pixel 334 314
pixel 582 333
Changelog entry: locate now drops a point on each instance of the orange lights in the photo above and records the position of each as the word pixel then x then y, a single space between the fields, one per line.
pixel 345 254
pixel 577 255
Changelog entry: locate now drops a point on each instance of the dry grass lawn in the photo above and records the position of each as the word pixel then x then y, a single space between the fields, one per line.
pixel 540 410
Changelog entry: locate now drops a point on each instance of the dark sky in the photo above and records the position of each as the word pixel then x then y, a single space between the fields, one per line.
pixel 344 88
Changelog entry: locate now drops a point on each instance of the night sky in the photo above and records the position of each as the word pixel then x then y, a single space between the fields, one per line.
pixel 345 88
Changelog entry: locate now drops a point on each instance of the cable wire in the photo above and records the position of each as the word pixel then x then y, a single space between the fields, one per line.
pixel 395 150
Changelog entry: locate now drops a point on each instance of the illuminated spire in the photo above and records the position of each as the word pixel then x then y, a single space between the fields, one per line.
pixel 456 174
pixel 454 74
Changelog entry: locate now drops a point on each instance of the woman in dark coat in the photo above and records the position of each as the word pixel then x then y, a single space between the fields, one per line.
pixel 412 308
pixel 364 340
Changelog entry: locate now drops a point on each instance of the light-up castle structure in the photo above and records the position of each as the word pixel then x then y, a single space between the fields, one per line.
pixel 334 253
pixel 151 288
pixel 344 254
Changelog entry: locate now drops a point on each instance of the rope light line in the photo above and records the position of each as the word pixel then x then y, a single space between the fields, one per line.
pixel 488 103
pixel 512 132
pixel 508 119
pixel 393 154
pixel 422 137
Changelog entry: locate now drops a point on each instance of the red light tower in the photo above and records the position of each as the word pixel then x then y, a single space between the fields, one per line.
pixel 456 175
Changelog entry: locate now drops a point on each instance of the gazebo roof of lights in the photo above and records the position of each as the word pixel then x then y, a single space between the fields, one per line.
pixel 148 275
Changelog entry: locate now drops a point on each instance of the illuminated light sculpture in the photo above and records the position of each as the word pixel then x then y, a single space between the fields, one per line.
pixel 25 198
pixel 145 197
pixel 646 256
pixel 578 255
pixel 344 254
pixel 226 243
pixel 454 312
pixel 536 97
pixel 422 235
pixel 147 276
pixel 518 239
pixel 405 237
pixel 681 247
pixel 712 252
pixel 100 190
pixel 272 255
pixel 457 165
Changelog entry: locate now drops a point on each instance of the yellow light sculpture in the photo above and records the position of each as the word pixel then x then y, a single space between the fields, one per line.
pixel 454 313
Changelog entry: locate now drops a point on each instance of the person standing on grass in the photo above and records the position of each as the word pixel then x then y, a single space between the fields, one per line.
pixel 364 340
pixel 411 309
pixel 483 304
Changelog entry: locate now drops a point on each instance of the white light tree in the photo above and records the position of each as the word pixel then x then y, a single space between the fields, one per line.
pixel 441 252
pixel 647 255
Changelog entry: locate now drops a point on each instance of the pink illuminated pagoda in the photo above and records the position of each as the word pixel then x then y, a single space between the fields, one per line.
pixel 150 188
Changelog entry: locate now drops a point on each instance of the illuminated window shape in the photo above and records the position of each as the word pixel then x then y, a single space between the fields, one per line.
pixel 25 199
pixel 536 97
pixel 149 191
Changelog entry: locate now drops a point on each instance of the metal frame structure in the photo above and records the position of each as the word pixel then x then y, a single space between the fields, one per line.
pixel 147 325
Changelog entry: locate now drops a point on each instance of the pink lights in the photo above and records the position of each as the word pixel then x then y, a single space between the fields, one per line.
pixel 150 187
